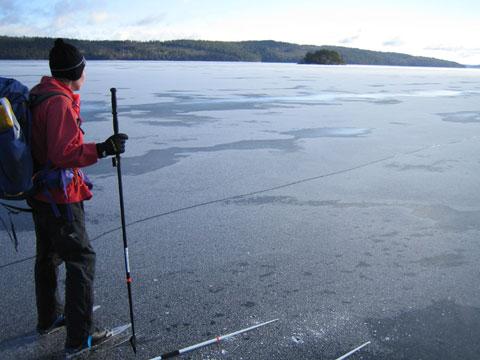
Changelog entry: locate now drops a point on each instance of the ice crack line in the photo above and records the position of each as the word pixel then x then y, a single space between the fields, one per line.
pixel 236 197
pixel 278 187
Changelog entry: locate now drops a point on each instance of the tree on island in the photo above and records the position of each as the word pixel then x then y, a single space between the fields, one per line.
pixel 324 57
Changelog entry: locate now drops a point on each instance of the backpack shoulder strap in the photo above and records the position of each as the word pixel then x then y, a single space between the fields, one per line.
pixel 36 100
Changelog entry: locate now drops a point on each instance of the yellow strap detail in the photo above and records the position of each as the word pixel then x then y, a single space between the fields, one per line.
pixel 7 117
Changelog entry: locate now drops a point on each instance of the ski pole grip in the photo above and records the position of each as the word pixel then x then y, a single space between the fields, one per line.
pixel 114 110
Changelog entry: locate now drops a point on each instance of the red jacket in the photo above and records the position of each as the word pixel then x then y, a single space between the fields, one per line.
pixel 57 138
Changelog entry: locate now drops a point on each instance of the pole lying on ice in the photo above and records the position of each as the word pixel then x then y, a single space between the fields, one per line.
pixel 208 342
pixel 353 351
pixel 117 164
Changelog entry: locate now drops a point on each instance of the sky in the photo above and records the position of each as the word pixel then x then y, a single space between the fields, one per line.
pixel 442 29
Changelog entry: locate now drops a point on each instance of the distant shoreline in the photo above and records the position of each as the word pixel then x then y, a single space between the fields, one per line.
pixel 268 51
pixel 465 67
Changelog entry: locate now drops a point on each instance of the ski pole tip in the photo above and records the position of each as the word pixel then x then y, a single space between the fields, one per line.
pixel 133 343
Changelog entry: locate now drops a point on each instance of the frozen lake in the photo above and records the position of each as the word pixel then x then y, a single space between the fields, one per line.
pixel 342 200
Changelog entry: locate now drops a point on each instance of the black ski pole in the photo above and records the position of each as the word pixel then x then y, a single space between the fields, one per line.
pixel 117 164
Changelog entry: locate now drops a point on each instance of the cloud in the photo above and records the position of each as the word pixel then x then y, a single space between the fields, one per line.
pixel 6 5
pixel 462 54
pixel 147 33
pixel 453 49
pixel 67 12
pixel 18 29
pixel 150 20
pixel 349 40
pixel 98 17
pixel 393 42
pixel 9 12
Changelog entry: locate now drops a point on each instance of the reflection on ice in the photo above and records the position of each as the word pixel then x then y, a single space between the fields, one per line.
pixel 327 132
pixel 331 97
pixel 160 158
pixel 462 117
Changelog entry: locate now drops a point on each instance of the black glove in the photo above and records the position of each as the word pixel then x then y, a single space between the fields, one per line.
pixel 114 145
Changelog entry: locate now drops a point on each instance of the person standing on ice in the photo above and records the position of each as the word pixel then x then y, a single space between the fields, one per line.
pixel 61 187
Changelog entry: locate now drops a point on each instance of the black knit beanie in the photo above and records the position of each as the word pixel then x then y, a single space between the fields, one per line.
pixel 66 61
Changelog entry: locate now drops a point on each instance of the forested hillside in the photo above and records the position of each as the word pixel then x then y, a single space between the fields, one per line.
pixel 199 50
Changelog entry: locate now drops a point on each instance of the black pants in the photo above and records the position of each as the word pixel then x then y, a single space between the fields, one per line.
pixel 64 240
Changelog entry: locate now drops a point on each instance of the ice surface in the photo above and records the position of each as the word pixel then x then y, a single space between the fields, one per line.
pixel 339 199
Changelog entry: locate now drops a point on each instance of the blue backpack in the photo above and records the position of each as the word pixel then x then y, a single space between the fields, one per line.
pixel 17 180
pixel 16 164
